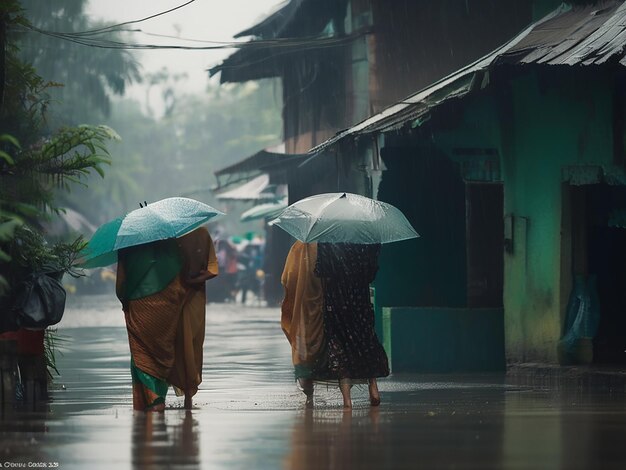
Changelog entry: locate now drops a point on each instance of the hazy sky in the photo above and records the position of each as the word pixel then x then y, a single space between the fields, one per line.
pixel 210 20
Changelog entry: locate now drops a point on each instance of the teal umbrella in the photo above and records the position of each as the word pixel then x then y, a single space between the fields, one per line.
pixel 344 218
pixel 167 218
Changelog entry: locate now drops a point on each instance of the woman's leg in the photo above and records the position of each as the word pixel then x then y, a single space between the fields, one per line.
pixel 159 408
pixel 188 403
pixel 344 386
pixel 374 395
pixel 307 388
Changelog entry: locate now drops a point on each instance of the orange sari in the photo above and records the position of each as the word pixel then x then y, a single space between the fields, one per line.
pixel 166 328
pixel 302 318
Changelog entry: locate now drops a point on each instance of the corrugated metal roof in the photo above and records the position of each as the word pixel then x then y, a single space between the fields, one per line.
pixel 567 36
pixel 590 35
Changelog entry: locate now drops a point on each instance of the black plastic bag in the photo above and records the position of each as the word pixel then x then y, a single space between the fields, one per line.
pixel 40 302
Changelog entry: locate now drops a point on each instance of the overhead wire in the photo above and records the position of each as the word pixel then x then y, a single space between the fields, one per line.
pixel 93 38
pixel 305 43
pixel 113 27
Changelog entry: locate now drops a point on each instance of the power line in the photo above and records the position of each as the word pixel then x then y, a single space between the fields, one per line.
pixel 93 38
pixel 99 42
pixel 115 26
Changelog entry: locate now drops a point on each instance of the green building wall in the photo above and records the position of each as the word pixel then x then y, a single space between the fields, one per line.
pixel 539 120
pixel 546 119
pixel 560 117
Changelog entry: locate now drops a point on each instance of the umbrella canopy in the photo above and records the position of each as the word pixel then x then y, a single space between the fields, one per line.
pixel 344 218
pixel 167 218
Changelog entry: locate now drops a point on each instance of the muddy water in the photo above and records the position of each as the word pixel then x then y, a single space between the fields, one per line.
pixel 248 413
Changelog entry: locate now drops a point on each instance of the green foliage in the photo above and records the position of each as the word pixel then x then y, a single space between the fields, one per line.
pixel 177 154
pixel 34 165
pixel 30 252
pixel 12 141
pixel 158 157
pixel 51 341
pixel 27 189
pixel 89 75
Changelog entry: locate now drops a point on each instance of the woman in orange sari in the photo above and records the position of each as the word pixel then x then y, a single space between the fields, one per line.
pixel 302 318
pixel 161 287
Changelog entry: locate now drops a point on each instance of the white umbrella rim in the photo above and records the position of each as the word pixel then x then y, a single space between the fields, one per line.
pixel 332 198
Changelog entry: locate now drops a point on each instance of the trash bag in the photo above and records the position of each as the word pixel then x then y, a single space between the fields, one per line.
pixel 40 301
pixel 581 322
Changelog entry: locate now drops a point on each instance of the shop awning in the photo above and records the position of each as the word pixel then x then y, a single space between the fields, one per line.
pixel 274 162
pixel 253 190
pixel 264 211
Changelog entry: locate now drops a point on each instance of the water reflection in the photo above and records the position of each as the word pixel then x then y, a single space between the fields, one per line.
pixel 565 428
pixel 444 425
pixel 20 431
pixel 170 439
pixel 335 439
pixel 249 413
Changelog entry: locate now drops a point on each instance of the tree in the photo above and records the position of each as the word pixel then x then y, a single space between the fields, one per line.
pixel 86 76
pixel 33 165
pixel 177 154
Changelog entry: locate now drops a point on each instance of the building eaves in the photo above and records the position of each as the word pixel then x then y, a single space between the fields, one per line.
pixel 567 36
pixel 265 59
pixel 296 28
pixel 275 22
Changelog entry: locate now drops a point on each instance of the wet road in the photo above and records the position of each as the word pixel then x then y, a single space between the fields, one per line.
pixel 248 413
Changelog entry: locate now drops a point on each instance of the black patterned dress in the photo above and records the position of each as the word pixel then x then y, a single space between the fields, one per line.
pixel 352 347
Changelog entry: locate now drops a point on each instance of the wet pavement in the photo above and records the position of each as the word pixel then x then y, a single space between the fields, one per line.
pixel 249 414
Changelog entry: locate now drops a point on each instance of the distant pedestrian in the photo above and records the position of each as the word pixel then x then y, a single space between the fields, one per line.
pixel 228 259
pixel 250 260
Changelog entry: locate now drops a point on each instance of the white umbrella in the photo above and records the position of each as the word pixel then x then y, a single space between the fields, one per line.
pixel 344 218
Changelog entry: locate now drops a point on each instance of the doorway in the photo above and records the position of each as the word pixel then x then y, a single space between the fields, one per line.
pixel 598 255
pixel 485 244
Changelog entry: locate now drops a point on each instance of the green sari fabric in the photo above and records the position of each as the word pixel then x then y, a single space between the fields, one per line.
pixel 157 386
pixel 150 268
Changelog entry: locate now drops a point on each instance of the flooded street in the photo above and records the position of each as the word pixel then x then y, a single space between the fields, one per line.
pixel 249 413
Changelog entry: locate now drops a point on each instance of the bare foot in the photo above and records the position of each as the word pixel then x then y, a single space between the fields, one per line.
pixel 345 386
pixel 157 408
pixel 309 401
pixel 307 386
pixel 374 394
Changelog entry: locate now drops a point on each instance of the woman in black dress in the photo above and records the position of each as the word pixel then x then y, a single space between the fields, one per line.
pixel 353 352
